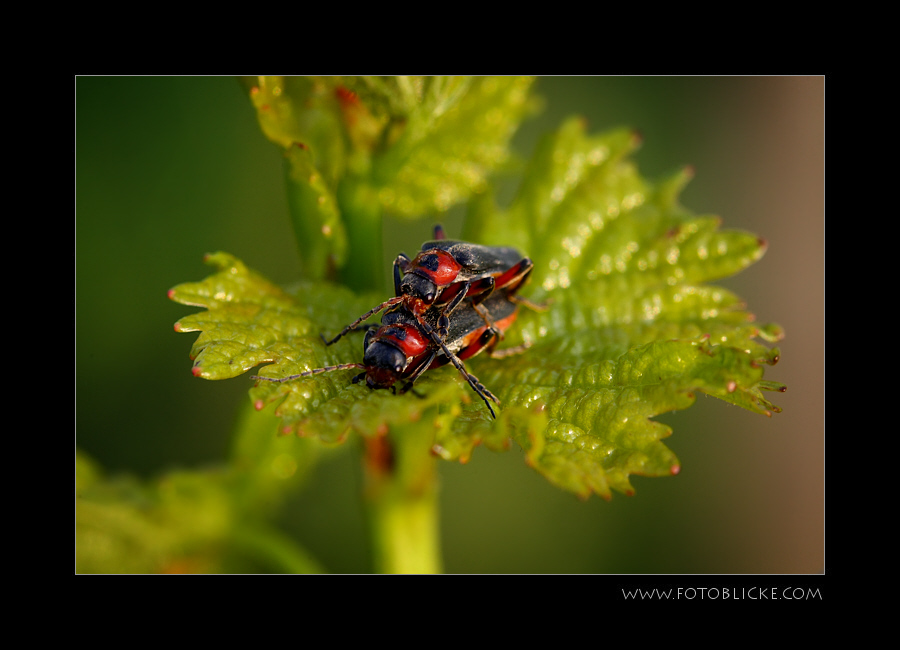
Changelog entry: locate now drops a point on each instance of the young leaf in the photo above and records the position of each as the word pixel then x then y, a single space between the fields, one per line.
pixel 631 330
pixel 250 321
pixel 355 146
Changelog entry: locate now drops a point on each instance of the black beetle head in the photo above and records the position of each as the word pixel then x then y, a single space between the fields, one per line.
pixel 420 287
pixel 384 363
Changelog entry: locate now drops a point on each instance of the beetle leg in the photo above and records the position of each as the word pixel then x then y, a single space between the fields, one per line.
pixel 458 298
pixel 508 352
pixel 371 312
pixel 444 320
pixel 482 289
pixel 491 337
pixel 418 372
pixel 473 381
pixel 514 279
pixel 478 290
pixel 476 385
pixel 370 332
pixel 400 264
pixel 486 317
pixel 531 305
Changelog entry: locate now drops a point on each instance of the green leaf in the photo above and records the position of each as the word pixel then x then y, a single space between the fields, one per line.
pixel 250 321
pixel 631 328
pixel 632 331
pixel 455 136
pixel 357 146
pixel 316 215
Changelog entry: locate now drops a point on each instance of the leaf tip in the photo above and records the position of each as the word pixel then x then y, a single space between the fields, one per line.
pixel 197 371
pixel 771 332
pixel 675 469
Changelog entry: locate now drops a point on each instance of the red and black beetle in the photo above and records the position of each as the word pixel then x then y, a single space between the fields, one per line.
pixel 446 267
pixel 447 271
pixel 405 345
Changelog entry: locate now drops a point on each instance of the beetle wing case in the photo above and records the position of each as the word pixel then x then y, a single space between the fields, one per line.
pixel 477 260
pixel 468 324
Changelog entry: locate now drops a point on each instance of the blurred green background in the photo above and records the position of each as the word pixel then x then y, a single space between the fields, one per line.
pixel 169 168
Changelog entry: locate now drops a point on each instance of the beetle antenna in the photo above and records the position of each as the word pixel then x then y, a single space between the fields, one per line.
pixel 308 373
pixel 352 326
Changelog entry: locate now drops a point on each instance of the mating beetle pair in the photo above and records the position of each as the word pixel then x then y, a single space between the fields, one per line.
pixel 453 300
pixel 446 270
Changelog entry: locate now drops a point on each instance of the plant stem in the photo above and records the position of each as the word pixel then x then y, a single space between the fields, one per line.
pixel 401 473
pixel 361 211
pixel 401 496
pixel 273 549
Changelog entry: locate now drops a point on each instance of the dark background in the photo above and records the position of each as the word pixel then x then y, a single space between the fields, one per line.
pixel 169 168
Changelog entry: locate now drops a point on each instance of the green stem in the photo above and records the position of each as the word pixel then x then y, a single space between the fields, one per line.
pixel 273 549
pixel 361 212
pixel 401 496
pixel 401 473
pixel 401 492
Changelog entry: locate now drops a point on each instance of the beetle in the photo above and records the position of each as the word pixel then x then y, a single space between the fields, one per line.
pixel 446 267
pixel 447 271
pixel 406 344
